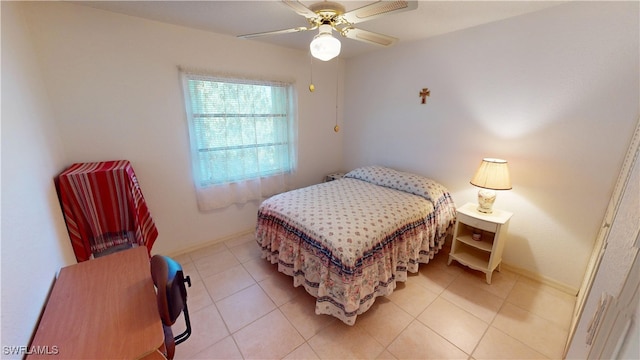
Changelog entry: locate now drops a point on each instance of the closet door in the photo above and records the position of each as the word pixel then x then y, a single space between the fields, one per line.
pixel 608 299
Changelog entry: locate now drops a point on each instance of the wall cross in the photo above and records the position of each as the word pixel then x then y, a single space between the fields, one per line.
pixel 424 93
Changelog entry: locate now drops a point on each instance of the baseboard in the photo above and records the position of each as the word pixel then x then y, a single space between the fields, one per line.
pixel 542 279
pixel 209 243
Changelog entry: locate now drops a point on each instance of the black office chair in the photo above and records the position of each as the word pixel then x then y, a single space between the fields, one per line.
pixel 172 299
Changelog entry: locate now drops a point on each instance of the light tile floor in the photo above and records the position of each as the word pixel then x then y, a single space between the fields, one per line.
pixel 241 307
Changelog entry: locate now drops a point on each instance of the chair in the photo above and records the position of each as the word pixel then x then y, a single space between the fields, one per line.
pixel 172 299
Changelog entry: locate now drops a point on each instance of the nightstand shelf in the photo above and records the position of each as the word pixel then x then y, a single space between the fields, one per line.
pixel 484 254
pixel 473 258
pixel 483 244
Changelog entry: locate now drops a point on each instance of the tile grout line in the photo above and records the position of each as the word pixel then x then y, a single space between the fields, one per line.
pixel 454 277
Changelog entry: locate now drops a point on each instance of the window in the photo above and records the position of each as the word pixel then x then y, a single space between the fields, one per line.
pixel 240 129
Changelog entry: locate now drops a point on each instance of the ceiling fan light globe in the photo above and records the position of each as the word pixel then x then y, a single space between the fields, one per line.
pixel 325 47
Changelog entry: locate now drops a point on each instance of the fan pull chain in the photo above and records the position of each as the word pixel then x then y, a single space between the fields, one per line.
pixel 312 87
pixel 337 128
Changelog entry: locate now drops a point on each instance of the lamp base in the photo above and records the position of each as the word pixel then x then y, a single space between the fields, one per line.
pixel 486 198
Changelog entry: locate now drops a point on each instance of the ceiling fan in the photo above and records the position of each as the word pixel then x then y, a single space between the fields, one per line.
pixel 327 16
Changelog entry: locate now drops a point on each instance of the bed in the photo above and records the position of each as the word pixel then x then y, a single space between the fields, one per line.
pixel 350 240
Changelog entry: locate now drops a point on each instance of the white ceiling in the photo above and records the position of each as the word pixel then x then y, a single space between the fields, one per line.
pixel 235 18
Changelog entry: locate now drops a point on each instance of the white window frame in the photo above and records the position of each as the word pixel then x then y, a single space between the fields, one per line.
pixel 251 182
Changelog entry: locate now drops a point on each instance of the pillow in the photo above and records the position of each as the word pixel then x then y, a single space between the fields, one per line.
pixel 374 174
pixel 403 181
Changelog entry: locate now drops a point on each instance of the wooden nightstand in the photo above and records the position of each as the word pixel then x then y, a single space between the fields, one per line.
pixel 484 254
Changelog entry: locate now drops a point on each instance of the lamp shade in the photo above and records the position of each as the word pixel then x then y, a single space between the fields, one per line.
pixel 324 46
pixel 492 174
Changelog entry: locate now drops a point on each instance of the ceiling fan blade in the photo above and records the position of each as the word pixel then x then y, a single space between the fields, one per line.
pixel 300 9
pixel 276 32
pixel 377 9
pixel 368 36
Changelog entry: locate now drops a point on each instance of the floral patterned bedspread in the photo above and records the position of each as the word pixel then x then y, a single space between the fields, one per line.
pixel 348 241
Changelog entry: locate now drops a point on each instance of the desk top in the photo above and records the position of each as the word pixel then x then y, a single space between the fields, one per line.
pixel 102 308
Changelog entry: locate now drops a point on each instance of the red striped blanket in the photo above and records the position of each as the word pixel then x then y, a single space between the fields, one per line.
pixel 103 207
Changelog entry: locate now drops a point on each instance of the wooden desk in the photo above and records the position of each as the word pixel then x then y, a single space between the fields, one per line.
pixel 102 308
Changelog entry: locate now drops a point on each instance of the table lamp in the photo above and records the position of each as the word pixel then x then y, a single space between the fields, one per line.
pixel 492 174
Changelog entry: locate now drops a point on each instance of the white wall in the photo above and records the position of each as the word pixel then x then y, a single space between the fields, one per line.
pixel 553 92
pixel 33 245
pixel 115 87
